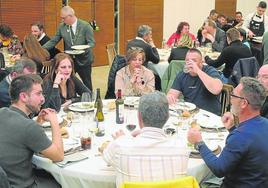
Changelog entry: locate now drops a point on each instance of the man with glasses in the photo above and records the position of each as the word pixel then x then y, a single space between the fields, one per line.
pixel 242 161
pixel 263 78
pixel 75 31
pixel 22 66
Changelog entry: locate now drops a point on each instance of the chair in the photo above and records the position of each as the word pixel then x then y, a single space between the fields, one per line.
pixel 118 63
pixel 4 183
pixel 185 182
pixel 244 67
pixel 111 52
pixel 170 74
pixel 225 98
pixel 2 60
pixel 47 66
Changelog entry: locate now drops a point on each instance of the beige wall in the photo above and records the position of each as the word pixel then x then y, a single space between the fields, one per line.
pixel 194 12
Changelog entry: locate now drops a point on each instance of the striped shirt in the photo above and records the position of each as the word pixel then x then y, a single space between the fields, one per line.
pixel 151 156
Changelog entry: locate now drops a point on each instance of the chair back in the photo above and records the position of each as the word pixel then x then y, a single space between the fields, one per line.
pixel 225 98
pixel 185 182
pixel 244 67
pixel 170 74
pixel 111 53
pixel 2 60
pixel 47 66
pixel 118 62
pixel 4 183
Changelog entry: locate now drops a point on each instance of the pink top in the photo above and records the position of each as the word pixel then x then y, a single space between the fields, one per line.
pixel 175 36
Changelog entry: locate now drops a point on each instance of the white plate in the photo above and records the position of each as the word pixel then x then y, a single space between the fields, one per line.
pixel 131 101
pixel 47 124
pixel 209 120
pixel 82 106
pixel 213 146
pixel 74 52
pixel 80 47
pixel 183 106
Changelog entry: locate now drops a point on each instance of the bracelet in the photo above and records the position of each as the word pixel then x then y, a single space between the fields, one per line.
pixel 56 83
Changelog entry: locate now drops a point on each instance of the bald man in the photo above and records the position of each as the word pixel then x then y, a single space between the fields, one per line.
pixel 263 78
pixel 75 31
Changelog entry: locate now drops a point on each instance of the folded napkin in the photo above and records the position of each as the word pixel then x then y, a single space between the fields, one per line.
pixel 72 158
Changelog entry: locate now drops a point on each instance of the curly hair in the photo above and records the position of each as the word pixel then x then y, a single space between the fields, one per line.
pixel 180 27
pixel 6 31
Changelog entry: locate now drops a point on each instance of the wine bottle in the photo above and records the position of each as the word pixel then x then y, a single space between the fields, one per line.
pixel 119 102
pixel 99 117
pixel 98 98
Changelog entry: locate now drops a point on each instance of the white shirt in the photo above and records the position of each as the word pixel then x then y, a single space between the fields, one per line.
pixel 247 21
pixel 74 26
pixel 151 156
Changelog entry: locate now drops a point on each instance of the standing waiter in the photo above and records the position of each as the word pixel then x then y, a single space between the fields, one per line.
pixel 75 31
pixel 257 23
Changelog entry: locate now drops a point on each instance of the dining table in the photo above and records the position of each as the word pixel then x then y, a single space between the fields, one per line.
pixel 91 171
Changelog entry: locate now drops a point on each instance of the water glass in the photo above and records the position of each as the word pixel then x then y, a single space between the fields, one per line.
pixel 86 97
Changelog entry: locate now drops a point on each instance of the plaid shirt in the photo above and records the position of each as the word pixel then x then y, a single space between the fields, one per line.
pixel 151 156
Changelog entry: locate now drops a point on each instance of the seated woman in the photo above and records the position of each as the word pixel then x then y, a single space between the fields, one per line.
pixel 135 79
pixel 10 41
pixel 183 28
pixel 184 44
pixel 60 85
pixel 35 52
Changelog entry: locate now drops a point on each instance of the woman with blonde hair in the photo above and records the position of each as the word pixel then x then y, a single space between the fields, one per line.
pixel 135 79
pixel 183 45
pixel 34 51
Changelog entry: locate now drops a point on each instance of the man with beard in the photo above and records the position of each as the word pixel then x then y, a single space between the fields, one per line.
pixel 37 30
pixel 242 160
pixel 21 137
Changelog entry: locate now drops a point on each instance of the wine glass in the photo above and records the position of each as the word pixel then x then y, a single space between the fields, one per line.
pixel 129 119
pixel 86 97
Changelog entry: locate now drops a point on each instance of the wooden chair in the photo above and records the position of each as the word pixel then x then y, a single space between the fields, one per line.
pixel 47 66
pixel 111 53
pixel 225 98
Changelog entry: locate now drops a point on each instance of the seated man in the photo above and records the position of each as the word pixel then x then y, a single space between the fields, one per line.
pixel 230 54
pixel 200 86
pixel 21 137
pixel 242 160
pixel 151 155
pixel 212 34
pixel 263 79
pixel 23 66
pixel 145 41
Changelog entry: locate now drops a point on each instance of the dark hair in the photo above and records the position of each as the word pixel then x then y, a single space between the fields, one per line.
pixel 52 74
pixel 6 31
pixel 23 83
pixel 221 16
pixel 243 33
pixel 180 26
pixel 262 4
pixel 238 12
pixel 39 25
pixel 212 12
pixel 23 63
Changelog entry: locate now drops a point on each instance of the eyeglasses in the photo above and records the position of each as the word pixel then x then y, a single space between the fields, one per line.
pixel 64 18
pixel 137 48
pixel 239 97
pixel 264 76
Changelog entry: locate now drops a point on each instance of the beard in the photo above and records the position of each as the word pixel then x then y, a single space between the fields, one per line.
pixel 33 109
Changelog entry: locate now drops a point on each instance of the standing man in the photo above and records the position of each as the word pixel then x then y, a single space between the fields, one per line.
pixel 21 137
pixel 75 31
pixel 242 161
pixel 37 30
pixel 257 23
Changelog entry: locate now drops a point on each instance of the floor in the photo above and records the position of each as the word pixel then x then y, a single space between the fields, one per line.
pixel 100 78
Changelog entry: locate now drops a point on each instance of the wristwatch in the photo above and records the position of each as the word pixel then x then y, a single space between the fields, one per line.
pixel 198 145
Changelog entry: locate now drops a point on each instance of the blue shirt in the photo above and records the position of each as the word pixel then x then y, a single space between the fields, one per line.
pixel 195 91
pixel 243 160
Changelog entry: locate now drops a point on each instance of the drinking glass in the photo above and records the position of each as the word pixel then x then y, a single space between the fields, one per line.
pixel 86 97
pixel 131 124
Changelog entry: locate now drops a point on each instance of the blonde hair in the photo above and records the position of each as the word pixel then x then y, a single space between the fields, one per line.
pixel 186 41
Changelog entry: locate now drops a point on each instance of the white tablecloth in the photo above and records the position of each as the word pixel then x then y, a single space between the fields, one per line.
pixel 94 172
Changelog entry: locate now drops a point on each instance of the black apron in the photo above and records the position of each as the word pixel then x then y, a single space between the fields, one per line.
pixel 257 27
